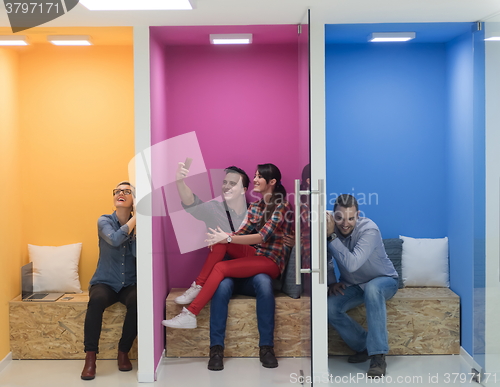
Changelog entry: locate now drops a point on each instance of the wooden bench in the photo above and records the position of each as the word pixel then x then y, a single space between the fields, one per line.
pixel 54 330
pixel 242 337
pixel 419 321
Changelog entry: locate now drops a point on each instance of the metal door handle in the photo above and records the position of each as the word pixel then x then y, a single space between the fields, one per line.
pixel 298 260
pixel 322 236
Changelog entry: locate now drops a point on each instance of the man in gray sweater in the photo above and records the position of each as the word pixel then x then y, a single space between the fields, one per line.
pixel 366 276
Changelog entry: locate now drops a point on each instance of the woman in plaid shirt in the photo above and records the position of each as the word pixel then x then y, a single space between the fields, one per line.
pixel 257 247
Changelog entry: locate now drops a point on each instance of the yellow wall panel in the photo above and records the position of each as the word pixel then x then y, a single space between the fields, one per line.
pixel 77 137
pixel 11 245
pixel 66 137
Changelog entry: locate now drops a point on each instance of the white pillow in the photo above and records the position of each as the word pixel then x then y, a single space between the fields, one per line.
pixel 425 262
pixel 55 269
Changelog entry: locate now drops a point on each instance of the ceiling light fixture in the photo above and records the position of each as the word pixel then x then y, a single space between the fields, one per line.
pixel 134 5
pixel 13 40
pixel 70 40
pixel 391 36
pixel 493 39
pixel 230 38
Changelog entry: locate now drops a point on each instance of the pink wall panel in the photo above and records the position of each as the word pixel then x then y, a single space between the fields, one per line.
pixel 158 120
pixel 242 103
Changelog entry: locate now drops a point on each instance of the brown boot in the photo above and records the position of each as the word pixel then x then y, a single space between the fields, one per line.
pixel 124 363
pixel 88 372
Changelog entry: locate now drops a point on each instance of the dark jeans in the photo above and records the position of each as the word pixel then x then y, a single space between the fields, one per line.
pixel 259 286
pixel 102 296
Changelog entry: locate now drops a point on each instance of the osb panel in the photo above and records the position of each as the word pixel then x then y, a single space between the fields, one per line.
pixel 54 330
pixel 187 342
pixel 242 337
pixel 426 294
pixel 416 326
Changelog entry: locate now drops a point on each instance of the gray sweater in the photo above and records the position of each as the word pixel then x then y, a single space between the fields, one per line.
pixel 361 256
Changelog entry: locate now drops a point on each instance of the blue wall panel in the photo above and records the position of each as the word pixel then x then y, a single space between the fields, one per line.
pixel 405 135
pixel 386 133
pixel 460 202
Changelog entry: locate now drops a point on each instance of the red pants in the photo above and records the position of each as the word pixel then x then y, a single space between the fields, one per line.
pixel 244 264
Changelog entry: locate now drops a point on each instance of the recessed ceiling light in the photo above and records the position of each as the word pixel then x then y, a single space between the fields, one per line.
pixel 230 38
pixel 136 5
pixel 13 40
pixel 493 39
pixel 391 36
pixel 70 40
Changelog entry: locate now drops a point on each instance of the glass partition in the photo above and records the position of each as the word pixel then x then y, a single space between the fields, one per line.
pixel 491 264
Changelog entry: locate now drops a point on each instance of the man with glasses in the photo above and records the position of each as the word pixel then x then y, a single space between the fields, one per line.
pixel 114 279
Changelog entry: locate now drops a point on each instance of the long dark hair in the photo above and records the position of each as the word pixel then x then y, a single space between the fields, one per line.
pixel 269 172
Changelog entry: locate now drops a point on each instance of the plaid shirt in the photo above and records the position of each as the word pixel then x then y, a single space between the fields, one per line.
pixel 280 224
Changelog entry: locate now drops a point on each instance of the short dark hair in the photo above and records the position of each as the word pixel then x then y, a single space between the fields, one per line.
pixel 245 180
pixel 346 200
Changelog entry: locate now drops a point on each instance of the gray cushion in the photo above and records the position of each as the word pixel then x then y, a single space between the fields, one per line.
pixel 394 250
pixel 288 286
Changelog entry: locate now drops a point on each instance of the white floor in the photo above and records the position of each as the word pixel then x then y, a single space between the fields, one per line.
pixel 423 371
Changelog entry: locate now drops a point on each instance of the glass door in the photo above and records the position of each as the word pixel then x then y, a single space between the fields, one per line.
pixel 310 200
pixel 491 289
pixel 302 202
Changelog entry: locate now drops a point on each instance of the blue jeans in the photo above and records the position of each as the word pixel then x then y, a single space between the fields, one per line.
pixel 259 286
pixel 376 293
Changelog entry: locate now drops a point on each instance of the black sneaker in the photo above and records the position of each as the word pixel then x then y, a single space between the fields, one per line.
pixel 267 357
pixel 378 366
pixel 216 358
pixel 358 357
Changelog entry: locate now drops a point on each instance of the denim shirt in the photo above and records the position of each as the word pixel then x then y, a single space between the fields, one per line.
pixel 361 256
pixel 117 254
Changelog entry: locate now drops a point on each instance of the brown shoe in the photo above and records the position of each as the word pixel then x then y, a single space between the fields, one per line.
pixel 88 372
pixel 124 363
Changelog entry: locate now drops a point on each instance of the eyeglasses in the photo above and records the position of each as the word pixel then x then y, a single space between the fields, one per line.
pixel 119 191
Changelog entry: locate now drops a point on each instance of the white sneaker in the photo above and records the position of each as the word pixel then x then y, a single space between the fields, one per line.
pixel 185 319
pixel 189 295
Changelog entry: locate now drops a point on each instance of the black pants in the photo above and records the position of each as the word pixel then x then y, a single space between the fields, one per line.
pixel 102 296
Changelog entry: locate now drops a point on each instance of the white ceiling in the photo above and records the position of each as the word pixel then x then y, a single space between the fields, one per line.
pixel 250 12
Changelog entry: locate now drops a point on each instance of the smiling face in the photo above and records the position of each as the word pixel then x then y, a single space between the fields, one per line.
pixel 121 199
pixel 232 187
pixel 345 219
pixel 261 186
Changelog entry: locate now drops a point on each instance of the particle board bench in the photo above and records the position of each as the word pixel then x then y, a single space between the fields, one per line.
pixel 54 330
pixel 423 321
pixel 420 321
pixel 242 338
